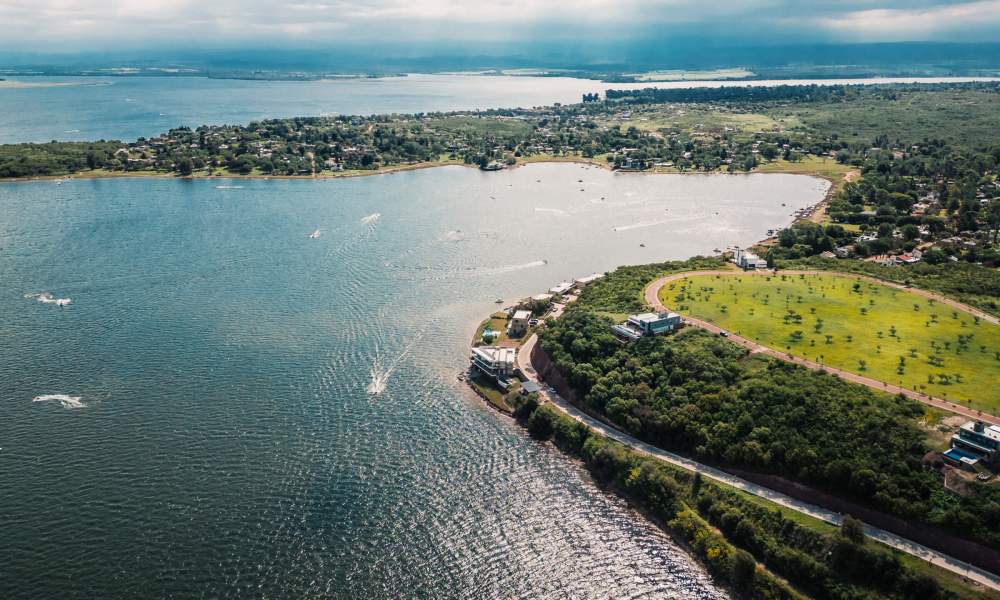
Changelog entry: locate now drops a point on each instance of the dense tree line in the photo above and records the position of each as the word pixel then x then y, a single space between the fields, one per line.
pixel 746 94
pixel 54 158
pixel 732 534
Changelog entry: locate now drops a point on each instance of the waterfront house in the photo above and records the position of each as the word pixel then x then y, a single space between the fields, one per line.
pixel 494 362
pixel 647 324
pixel 542 297
pixel 747 260
pixel 979 439
pixel 519 323
pixel 561 288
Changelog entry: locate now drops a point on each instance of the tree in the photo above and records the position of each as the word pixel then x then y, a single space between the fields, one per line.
pixel 744 568
pixel 696 484
pixel 852 529
pixel 185 166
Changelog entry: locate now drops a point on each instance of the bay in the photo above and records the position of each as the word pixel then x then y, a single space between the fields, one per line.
pixel 226 438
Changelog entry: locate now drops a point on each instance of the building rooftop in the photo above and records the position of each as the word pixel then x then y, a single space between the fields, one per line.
pixel 522 315
pixel 989 431
pixel 562 287
pixel 653 317
pixel 496 355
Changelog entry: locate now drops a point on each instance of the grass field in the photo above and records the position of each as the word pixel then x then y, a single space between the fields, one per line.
pixel 884 333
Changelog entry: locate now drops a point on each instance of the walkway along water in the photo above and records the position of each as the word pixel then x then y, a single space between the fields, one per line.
pixel 652 297
pixel 529 357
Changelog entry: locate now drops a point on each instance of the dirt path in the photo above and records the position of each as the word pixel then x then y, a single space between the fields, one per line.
pixel 652 297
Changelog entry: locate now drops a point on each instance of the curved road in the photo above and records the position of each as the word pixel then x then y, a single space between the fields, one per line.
pixel 944 561
pixel 652 297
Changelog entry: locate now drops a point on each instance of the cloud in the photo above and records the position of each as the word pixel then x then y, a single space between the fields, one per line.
pixel 114 23
pixel 958 21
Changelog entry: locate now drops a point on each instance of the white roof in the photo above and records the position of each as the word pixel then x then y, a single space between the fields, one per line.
pixel 562 287
pixel 542 297
pixel 496 355
pixel 522 314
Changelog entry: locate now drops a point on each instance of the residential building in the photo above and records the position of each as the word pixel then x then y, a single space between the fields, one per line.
pixel 561 288
pixel 519 323
pixel 647 324
pixel 979 439
pixel 542 297
pixel 747 260
pixel 494 362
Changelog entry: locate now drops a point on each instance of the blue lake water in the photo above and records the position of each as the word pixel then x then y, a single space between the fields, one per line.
pixel 218 434
pixel 126 108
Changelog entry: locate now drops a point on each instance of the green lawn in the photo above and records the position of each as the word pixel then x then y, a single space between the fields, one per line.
pixel 884 333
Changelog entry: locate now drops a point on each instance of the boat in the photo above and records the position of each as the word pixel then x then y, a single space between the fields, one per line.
pixel 642 245
pixel 314 234
pixel 499 301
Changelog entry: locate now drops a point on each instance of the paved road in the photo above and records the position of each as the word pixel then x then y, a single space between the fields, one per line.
pixel 652 296
pixel 890 539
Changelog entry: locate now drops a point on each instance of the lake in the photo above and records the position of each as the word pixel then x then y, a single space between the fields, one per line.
pixel 206 421
pixel 126 108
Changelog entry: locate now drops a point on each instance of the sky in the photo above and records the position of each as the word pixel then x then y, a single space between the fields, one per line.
pixel 78 25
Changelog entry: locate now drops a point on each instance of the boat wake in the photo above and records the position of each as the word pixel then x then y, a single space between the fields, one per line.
pixel 380 374
pixel 315 234
pixel 640 225
pixel 511 268
pixel 555 211
pixel 47 298
pixel 229 187
pixel 370 219
pixel 64 400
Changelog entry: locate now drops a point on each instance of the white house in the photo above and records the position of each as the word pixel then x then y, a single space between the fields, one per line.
pixel 519 323
pixel 561 288
pixel 747 260
pixel 494 362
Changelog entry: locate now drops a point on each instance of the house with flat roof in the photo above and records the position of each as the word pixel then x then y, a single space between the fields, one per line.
pixel 494 362
pixel 561 288
pixel 979 439
pixel 518 325
pixel 647 324
pixel 747 260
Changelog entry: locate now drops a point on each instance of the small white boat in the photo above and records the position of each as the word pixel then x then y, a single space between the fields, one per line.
pixel 315 234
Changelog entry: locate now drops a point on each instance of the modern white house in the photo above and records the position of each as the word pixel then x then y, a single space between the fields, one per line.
pixel 494 362
pixel 561 288
pixel 979 439
pixel 747 260
pixel 647 324
pixel 518 325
